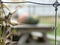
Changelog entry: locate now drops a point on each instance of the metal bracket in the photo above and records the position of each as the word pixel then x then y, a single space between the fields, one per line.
pixel 56 4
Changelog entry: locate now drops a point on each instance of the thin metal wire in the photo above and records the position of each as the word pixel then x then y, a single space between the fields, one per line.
pixel 29 2
pixel 55 26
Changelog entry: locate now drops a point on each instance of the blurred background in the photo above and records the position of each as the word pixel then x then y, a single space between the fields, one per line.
pixel 46 14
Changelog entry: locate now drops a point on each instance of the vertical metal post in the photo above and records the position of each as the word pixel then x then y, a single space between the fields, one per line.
pixel 56 4
pixel 55 23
